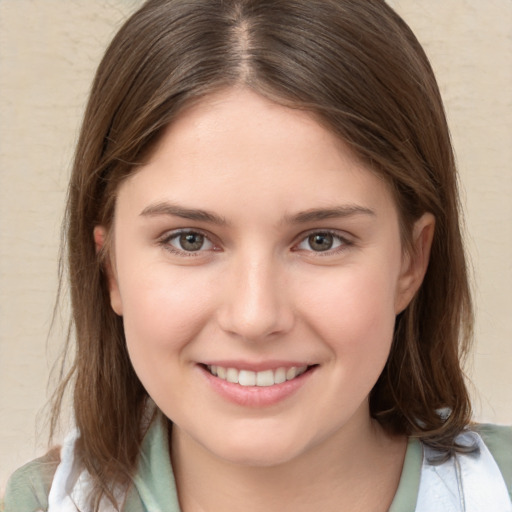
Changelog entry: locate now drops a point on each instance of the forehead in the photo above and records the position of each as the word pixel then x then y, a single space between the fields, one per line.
pixel 235 146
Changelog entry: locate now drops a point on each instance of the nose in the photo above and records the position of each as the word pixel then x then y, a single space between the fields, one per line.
pixel 255 304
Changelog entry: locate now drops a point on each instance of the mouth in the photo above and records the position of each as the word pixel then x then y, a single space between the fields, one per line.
pixel 265 378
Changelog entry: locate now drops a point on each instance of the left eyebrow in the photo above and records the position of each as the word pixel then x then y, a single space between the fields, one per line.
pixel 317 214
pixel 174 210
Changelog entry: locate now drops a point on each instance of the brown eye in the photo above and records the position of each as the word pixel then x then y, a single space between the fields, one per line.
pixel 321 241
pixel 188 242
pixel 191 241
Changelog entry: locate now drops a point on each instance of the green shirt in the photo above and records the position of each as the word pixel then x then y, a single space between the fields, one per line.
pixel 154 486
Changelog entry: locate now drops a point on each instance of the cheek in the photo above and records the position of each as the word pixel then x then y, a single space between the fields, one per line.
pixel 163 310
pixel 162 314
pixel 353 312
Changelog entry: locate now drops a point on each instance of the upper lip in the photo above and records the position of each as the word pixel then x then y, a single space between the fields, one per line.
pixel 256 366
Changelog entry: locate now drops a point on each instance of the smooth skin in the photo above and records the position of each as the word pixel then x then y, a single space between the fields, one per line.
pixel 254 237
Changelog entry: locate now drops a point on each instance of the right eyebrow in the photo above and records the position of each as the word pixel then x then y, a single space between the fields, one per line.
pixel 174 210
pixel 319 214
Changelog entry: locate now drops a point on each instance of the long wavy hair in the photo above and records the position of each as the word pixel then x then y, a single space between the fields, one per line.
pixel 357 67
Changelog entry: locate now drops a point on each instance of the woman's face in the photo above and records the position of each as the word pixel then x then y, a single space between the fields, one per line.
pixel 258 268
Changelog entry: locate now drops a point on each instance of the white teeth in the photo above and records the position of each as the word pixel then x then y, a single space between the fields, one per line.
pixel 232 375
pixel 280 376
pixel 291 373
pixel 263 379
pixel 247 378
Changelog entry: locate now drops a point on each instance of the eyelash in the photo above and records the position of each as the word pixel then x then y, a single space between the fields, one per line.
pixel 344 242
pixel 165 242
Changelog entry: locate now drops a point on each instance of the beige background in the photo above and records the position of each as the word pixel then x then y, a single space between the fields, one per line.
pixel 48 53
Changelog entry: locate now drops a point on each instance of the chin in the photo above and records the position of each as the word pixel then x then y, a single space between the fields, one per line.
pixel 258 455
pixel 258 447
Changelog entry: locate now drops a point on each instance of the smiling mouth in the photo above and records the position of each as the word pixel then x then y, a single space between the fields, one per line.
pixel 264 378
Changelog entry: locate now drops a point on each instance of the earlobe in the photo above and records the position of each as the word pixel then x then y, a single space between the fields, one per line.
pixel 415 262
pixel 100 242
pixel 100 237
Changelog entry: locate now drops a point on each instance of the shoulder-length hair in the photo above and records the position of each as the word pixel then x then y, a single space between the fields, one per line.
pixel 359 69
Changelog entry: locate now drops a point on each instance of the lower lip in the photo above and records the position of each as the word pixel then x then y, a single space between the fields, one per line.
pixel 256 396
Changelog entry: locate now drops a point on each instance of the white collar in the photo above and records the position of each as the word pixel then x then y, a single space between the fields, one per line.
pixel 469 482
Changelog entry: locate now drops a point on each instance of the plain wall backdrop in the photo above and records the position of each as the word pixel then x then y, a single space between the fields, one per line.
pixel 49 50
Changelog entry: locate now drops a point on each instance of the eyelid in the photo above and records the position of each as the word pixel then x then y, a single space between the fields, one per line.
pixel 165 239
pixel 345 239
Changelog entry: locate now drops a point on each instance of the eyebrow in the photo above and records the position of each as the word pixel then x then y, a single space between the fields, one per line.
pixel 337 212
pixel 165 208
pixel 315 214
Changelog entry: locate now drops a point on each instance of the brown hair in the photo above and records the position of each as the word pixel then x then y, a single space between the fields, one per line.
pixel 359 69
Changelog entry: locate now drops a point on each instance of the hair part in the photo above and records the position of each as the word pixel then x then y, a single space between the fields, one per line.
pixel 358 68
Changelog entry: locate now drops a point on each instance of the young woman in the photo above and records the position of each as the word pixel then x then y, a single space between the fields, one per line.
pixel 269 289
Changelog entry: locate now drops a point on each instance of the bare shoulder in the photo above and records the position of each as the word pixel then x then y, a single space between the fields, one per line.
pixel 29 486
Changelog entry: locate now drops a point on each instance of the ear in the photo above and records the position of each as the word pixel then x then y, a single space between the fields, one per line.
pixel 415 262
pixel 100 240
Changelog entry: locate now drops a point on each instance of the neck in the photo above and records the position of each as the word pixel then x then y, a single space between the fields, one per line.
pixel 357 468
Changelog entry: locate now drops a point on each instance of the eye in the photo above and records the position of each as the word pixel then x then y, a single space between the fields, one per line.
pixel 322 241
pixel 188 241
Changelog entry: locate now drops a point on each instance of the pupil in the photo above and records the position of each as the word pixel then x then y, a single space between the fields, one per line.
pixel 321 242
pixel 191 241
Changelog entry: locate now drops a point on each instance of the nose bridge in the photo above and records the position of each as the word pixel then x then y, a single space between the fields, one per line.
pixel 256 304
